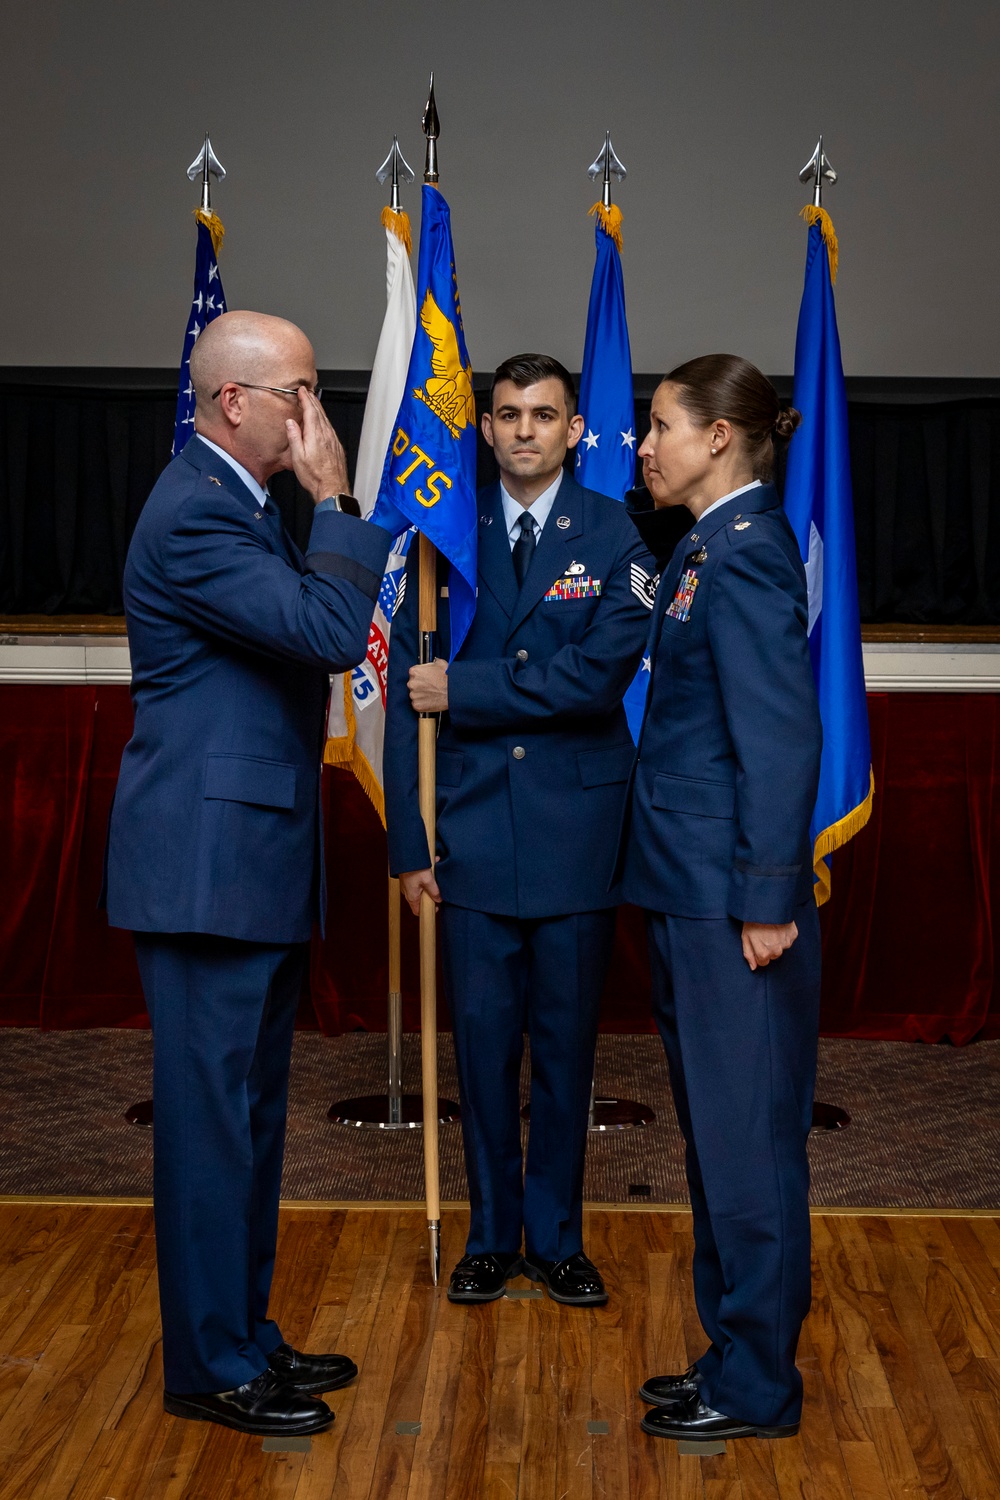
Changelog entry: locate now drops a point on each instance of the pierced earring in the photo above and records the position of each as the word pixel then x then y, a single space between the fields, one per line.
pixel 714 452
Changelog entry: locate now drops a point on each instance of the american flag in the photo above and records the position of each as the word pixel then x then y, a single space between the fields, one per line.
pixel 208 302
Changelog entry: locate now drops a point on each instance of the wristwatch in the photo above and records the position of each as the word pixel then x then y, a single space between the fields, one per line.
pixel 346 503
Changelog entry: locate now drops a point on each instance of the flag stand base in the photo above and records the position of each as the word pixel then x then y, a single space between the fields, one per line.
pixel 381 1112
pixel 611 1114
pixel 829 1117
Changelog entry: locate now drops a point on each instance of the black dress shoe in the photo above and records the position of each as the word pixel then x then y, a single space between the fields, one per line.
pixel 311 1373
pixel 575 1281
pixel 667 1390
pixel 264 1406
pixel 692 1421
pixel 482 1278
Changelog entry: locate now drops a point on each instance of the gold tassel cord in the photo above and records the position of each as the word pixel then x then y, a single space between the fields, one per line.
pixel 398 223
pixel 610 220
pixel 834 837
pixel 213 224
pixel 814 215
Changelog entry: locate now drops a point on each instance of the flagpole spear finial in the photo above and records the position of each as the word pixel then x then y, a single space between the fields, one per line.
pixel 396 168
pixel 431 126
pixel 818 170
pixel 206 165
pixel 604 165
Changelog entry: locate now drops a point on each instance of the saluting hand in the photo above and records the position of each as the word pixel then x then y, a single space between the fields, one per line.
pixel 763 941
pixel 428 687
pixel 317 455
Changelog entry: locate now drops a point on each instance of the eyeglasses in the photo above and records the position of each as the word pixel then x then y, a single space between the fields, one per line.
pixel 279 390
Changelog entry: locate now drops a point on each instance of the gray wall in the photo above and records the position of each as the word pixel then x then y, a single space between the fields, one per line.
pixel 713 107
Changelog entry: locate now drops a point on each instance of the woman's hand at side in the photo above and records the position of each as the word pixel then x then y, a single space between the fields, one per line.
pixel 763 941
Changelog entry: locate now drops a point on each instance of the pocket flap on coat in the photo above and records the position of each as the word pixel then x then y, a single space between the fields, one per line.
pixel 707 799
pixel 449 767
pixel 243 778
pixel 602 767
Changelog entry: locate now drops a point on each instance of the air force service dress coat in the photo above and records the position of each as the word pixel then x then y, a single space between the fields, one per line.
pixel 232 636
pixel 214 861
pixel 534 752
pixel 717 834
pixel 533 759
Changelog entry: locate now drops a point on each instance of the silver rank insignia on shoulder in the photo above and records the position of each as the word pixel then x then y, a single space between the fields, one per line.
pixel 574 569
pixel 643 584
pixel 563 522
pixel 741 525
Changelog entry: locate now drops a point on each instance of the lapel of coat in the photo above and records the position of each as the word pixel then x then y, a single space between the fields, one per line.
pixel 494 564
pixel 554 551
pixel 212 467
pixel 765 497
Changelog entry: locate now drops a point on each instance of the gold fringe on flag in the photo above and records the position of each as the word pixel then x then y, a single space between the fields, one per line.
pixel 213 224
pixel 836 835
pixel 398 223
pixel 814 215
pixel 610 220
pixel 345 751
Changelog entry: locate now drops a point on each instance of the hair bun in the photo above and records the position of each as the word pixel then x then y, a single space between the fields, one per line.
pixel 786 422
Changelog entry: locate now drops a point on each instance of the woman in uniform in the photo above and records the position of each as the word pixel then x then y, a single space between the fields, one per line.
pixel 717 851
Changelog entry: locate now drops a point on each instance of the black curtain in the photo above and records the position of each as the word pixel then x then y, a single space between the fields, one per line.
pixel 80 451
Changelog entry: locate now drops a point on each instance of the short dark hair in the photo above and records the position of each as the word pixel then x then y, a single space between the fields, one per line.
pixel 528 369
pixel 724 385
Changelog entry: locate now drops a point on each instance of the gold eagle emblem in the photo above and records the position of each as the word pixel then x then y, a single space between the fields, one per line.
pixel 448 391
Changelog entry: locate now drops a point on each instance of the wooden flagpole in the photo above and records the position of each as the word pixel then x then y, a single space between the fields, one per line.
pixel 427 752
pixel 427 790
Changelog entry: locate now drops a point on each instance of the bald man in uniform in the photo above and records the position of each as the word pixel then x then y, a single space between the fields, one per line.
pixel 214 855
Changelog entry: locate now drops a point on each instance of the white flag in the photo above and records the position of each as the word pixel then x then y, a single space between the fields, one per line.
pixel 356 724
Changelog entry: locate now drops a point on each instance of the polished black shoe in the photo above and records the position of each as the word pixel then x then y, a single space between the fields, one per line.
pixel 265 1406
pixel 575 1281
pixel 691 1421
pixel 667 1390
pixel 312 1373
pixel 482 1278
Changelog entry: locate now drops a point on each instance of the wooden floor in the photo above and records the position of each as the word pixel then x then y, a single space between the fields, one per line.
pixel 901 1359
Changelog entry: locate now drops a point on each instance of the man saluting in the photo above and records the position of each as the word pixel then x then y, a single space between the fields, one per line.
pixel 214 853
pixel 533 757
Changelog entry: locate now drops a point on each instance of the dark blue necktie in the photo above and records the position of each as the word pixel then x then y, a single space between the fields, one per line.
pixel 524 548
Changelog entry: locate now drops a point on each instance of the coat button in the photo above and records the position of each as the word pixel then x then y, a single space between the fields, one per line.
pixel 518 752
pixel 522 655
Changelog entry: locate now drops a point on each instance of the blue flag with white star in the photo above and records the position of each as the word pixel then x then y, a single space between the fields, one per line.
pixel 208 302
pixel 819 505
pixel 429 479
pixel 605 455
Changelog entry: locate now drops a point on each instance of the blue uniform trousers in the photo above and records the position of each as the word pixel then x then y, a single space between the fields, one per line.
pixel 505 976
pixel 741 1048
pixel 223 1013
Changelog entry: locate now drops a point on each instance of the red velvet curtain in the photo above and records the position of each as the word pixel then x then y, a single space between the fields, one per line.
pixel 908 933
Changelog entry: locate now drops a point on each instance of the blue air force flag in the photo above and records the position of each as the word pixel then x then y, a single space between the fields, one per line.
pixel 819 506
pixel 209 301
pixel 605 455
pixel 429 478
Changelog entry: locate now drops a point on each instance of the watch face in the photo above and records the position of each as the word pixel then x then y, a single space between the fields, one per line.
pixel 348 504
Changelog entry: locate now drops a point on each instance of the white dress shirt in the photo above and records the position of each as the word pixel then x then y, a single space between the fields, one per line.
pixel 539 510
